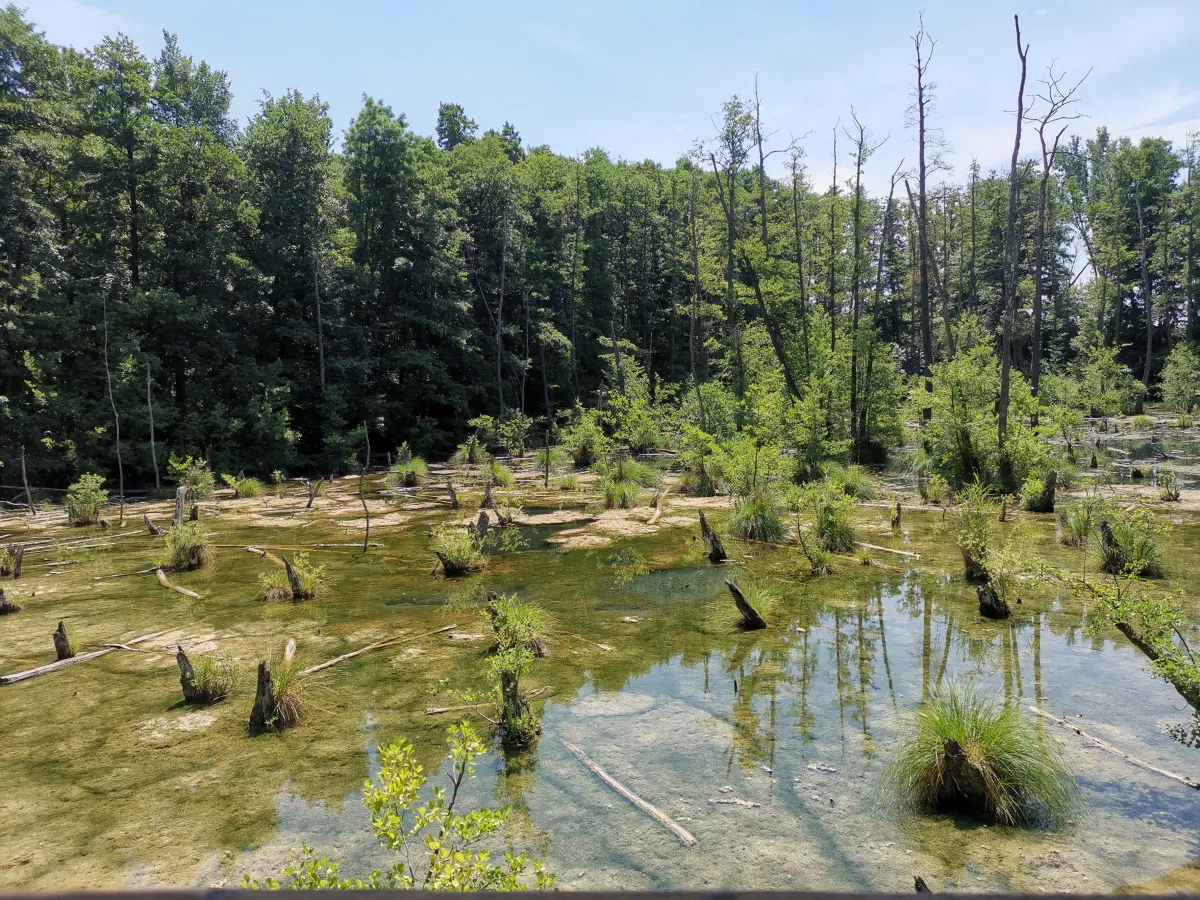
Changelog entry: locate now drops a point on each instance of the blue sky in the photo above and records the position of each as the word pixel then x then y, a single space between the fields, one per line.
pixel 644 80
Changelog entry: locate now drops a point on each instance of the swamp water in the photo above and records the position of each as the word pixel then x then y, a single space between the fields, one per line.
pixel 109 781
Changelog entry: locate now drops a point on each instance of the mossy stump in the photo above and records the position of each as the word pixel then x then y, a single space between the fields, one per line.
pixel 62 643
pixel 187 677
pixel 716 550
pixel 263 713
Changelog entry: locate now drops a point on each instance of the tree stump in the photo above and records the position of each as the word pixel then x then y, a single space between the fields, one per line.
pixel 1095 462
pixel 293 578
pixel 896 518
pixel 13 562
pixel 471 457
pixel 920 886
pixel 1115 558
pixel 481 526
pixel 453 494
pixel 187 676
pixel 716 550
pixel 62 643
pixel 194 513
pixel 1004 510
pixel 150 526
pixel 991 605
pixel 751 620
pixel 7 607
pixel 180 503
pixel 262 714
pixel 960 785
pixel 487 502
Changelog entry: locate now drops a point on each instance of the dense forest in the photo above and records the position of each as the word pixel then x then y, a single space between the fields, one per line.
pixel 274 296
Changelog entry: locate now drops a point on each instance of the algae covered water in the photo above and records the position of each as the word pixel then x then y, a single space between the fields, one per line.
pixel 767 746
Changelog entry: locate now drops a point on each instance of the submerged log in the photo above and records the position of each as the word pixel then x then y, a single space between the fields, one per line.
pixel 386 642
pixel 453 494
pixel 262 713
pixel 7 607
pixel 166 582
pixel 649 809
pixel 150 526
pixel 716 550
pixel 187 676
pixel 751 620
pixel 62 643
pixel 991 604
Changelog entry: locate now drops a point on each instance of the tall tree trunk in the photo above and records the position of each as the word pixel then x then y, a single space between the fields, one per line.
pixel 134 269
pixel 1147 297
pixel 1012 246
pixel 885 241
pixel 320 325
pixel 150 412
pixel 499 336
pixel 116 418
pixel 922 244
pixel 802 282
pixel 833 195
pixel 694 314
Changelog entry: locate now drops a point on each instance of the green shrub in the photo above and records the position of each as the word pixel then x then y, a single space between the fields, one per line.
pixel 1142 422
pixel 1168 487
pixel 436 844
pixel 458 550
pixel 1181 378
pixel 972 517
pixel 832 512
pixel 516 623
pixel 244 488
pixel 214 679
pixel 585 437
pixel 966 754
pixel 185 547
pixel 568 482
pixel 471 453
pixel 934 490
pixel 558 459
pixel 275 584
pixel 757 518
pixel 194 474
pixel 85 498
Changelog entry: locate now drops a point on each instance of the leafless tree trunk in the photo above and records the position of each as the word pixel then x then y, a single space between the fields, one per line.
pixel 1147 297
pixel 150 411
pixel 885 240
pixel 1012 247
pixel 694 313
pixel 320 325
pixel 25 483
pixel 116 418
pixel 921 109
pixel 802 281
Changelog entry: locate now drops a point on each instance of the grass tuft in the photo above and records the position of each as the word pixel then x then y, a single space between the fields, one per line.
pixel 214 679
pixel 758 518
pixel 185 547
pixel 963 753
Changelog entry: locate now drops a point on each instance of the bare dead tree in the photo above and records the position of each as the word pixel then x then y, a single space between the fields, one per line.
pixel 694 311
pixel 116 418
pixel 1012 246
pixel 1056 100
pixel 862 151
pixel 150 411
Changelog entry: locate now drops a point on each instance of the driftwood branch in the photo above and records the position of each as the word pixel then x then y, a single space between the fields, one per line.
pixel 649 809
pixel 751 620
pixel 166 582
pixel 62 663
pixel 1128 757
pixel 386 642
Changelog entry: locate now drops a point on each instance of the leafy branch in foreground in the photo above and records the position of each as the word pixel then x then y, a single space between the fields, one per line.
pixel 440 846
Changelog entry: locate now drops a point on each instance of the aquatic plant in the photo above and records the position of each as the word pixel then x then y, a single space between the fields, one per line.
pixel 1185 420
pixel 519 727
pixel 458 549
pixel 1128 545
pixel 244 488
pixel 972 516
pixel 831 512
pixel 407 470
pixel 516 623
pixel 758 518
pixel 309 576
pixel 1076 523
pixel 194 475
pixel 213 680
pixel 185 547
pixel 964 753
pixel 568 482
pixel 1142 422
pixel 438 848
pixel 85 498
pixel 934 490
pixel 499 474
pixel 1168 487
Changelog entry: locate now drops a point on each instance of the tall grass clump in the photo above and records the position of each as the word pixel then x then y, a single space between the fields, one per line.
pixel 285 685
pixel 568 482
pixel 1129 547
pixel 244 487
pixel 831 513
pixel 963 753
pixel 276 585
pixel 853 481
pixel 213 680
pixel 185 547
pixel 408 470
pixel 499 474
pixel 934 490
pixel 1142 422
pixel 621 479
pixel 758 517
pixel 85 498
pixel 458 550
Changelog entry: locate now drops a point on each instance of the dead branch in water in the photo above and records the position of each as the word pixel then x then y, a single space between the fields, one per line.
pixel 83 657
pixel 1128 757
pixel 166 582
pixel 649 809
pixel 386 642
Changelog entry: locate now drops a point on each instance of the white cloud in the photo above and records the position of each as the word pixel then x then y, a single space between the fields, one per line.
pixel 82 25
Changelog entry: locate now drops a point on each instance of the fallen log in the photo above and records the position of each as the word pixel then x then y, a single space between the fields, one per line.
pixel 751 620
pixel 1128 757
pixel 267 554
pixel 386 642
pixel 125 574
pixel 166 582
pixel 906 553
pixel 604 647
pixel 649 809
pixel 62 663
